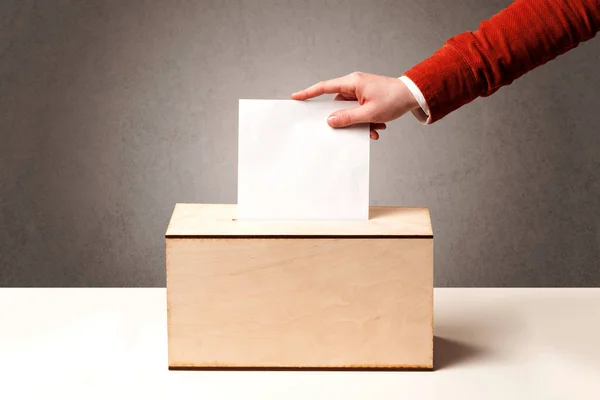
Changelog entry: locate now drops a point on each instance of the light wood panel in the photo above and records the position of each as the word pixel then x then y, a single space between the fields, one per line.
pixel 264 302
pixel 221 220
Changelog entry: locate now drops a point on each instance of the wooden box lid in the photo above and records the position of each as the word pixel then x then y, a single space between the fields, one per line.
pixel 220 220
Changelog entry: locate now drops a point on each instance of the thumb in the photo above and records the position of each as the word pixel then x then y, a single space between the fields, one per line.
pixel 351 116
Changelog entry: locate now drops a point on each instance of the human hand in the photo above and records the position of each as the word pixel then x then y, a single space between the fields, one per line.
pixel 381 98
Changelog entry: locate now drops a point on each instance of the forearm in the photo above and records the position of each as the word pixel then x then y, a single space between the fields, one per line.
pixel 525 35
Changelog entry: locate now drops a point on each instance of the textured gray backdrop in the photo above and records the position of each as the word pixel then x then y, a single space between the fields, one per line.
pixel 113 111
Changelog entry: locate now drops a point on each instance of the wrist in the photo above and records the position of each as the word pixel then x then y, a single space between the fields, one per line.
pixel 412 102
pixel 421 111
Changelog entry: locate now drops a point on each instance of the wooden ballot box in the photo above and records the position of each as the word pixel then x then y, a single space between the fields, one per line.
pixel 253 294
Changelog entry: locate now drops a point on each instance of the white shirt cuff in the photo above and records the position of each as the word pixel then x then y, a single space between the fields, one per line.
pixel 422 114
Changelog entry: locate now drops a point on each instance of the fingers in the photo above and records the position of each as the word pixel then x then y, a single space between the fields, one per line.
pixel 324 87
pixel 375 127
pixel 341 97
pixel 357 115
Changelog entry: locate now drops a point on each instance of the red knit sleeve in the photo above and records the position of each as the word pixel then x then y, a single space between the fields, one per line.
pixel 523 36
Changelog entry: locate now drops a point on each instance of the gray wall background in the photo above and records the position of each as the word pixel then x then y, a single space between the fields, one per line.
pixel 113 111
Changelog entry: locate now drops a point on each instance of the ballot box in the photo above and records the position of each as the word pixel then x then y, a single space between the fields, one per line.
pixel 299 294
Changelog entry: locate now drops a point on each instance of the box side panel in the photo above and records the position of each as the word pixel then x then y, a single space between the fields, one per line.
pixel 359 303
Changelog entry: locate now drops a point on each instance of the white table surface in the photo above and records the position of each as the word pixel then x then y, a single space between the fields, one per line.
pixel 112 343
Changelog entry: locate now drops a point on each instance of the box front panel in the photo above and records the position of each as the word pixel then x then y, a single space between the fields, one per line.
pixel 300 302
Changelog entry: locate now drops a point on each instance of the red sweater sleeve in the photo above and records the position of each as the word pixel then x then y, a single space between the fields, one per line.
pixel 523 36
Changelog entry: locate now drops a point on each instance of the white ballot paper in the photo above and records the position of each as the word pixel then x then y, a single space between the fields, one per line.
pixel 293 166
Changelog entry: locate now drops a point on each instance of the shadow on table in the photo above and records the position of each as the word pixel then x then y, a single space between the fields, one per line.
pixel 446 353
pixel 450 353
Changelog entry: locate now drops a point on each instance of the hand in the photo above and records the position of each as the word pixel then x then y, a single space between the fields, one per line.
pixel 381 98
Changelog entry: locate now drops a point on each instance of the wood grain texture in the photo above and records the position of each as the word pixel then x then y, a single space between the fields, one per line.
pixel 313 302
pixel 221 220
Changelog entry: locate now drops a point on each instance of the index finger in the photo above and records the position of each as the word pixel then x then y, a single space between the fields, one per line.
pixel 330 86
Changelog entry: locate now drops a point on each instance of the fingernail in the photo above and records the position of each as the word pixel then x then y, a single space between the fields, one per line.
pixel 331 119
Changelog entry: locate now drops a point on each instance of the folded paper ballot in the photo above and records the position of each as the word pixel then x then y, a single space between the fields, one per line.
pixel 293 166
